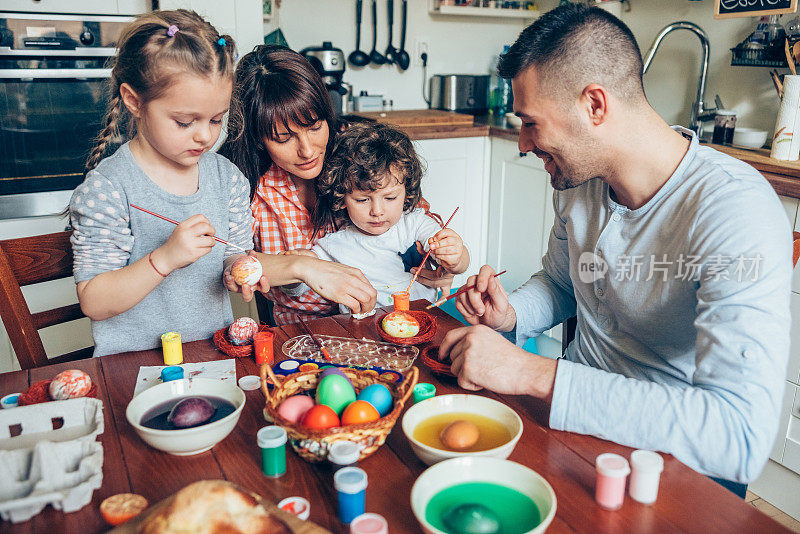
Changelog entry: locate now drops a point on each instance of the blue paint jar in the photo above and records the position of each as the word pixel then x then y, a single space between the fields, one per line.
pixel 351 486
pixel 173 372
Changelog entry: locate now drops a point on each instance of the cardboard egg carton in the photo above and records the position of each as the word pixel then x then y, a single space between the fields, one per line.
pixel 49 455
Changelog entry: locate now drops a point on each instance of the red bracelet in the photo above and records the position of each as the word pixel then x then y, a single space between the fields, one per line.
pixel 150 259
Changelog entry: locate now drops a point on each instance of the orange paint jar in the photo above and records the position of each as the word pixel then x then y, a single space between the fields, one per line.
pixel 263 344
pixel 401 301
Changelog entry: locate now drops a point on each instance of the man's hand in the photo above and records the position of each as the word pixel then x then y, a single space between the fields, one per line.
pixel 482 358
pixel 487 303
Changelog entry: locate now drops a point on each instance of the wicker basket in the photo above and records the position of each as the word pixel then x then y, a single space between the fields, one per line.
pixel 311 444
pixel 237 351
pixel 430 357
pixel 427 329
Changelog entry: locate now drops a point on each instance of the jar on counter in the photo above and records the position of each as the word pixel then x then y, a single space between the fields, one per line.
pixel 724 125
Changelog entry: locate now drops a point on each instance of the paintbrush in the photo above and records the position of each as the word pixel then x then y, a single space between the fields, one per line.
pixel 457 293
pixel 425 258
pixel 322 349
pixel 176 223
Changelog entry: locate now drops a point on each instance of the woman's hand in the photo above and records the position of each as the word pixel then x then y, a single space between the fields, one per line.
pixel 189 241
pixel 246 290
pixel 447 248
pixel 298 252
pixel 341 284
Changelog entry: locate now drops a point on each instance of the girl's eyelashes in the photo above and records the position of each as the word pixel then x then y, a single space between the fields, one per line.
pixel 183 124
pixel 216 121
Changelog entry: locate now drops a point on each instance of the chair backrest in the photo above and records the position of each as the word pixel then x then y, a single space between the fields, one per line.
pixel 31 260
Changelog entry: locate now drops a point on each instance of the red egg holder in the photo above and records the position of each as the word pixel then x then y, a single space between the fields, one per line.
pixel 427 329
pixel 430 357
pixel 237 351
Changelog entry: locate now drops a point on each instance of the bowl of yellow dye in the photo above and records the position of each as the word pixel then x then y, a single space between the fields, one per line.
pixel 499 427
pixel 480 494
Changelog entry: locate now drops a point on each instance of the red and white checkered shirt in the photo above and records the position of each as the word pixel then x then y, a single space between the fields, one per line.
pixel 281 222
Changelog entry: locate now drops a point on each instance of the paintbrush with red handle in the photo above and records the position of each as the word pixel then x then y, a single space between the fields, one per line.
pixel 457 293
pixel 322 349
pixel 177 223
pixel 425 258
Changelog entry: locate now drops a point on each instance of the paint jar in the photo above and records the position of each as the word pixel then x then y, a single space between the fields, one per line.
pixel 343 454
pixel 423 391
pixel 272 441
pixel 263 345
pixel 612 472
pixel 401 301
pixel 369 524
pixel 646 467
pixel 351 486
pixel 172 348
pixel 173 372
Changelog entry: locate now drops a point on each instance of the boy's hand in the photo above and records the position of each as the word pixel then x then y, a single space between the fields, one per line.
pixel 246 290
pixel 189 241
pixel 447 247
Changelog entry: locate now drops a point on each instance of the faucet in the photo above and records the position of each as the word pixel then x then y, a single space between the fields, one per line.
pixel 699 111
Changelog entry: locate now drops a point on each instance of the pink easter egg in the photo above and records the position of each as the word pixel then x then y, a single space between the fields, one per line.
pixel 242 330
pixel 70 384
pixel 294 408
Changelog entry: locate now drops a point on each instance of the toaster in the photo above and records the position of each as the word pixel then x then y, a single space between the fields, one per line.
pixel 460 92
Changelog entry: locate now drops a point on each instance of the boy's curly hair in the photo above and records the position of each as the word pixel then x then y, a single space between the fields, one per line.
pixel 364 154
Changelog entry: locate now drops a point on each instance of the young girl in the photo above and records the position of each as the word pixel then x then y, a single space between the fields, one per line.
pixel 370 191
pixel 138 276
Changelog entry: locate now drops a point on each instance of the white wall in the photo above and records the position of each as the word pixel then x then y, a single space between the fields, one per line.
pixel 465 44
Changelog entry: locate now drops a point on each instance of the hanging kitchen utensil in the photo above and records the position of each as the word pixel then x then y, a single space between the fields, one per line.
pixel 358 58
pixel 374 55
pixel 402 58
pixel 391 51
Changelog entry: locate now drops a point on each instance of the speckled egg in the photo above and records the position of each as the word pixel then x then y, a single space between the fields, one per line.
pixel 400 324
pixel 378 396
pixel 295 407
pixel 242 330
pixel 246 270
pixel 70 384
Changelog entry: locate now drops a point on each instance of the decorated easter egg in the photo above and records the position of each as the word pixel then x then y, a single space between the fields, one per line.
pixel 335 392
pixel 359 412
pixel 246 270
pixel 70 384
pixel 319 417
pixel 378 396
pixel 330 370
pixel 400 324
pixel 242 330
pixel 471 518
pixel 295 407
pixel 460 435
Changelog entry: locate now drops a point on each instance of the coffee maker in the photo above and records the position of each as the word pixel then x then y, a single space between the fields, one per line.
pixel 329 63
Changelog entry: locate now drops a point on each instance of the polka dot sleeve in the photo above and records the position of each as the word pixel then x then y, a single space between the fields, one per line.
pixel 240 222
pixel 101 237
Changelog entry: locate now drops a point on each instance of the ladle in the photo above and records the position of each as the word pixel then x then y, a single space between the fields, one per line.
pixel 374 55
pixel 391 51
pixel 358 58
pixel 402 58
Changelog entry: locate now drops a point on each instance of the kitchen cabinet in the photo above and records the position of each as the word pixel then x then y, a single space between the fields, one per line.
pixel 89 7
pixel 455 176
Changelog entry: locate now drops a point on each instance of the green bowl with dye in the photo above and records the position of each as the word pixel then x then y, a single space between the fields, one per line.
pixel 518 495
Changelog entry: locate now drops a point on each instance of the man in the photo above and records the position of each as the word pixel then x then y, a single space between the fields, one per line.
pixel 675 257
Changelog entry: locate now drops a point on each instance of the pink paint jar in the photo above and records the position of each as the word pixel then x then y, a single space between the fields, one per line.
pixel 612 472
pixel 369 524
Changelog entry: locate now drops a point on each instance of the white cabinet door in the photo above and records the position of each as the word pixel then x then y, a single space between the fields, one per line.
pixel 454 177
pixel 92 7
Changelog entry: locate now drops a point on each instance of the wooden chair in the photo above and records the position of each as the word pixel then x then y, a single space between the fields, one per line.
pixel 31 260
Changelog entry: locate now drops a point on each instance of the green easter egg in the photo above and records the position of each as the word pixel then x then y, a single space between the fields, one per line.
pixel 471 518
pixel 335 392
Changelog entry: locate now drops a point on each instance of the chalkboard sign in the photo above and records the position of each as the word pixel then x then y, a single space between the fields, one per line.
pixel 724 9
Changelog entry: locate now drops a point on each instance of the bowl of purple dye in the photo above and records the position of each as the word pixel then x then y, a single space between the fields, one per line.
pixel 188 416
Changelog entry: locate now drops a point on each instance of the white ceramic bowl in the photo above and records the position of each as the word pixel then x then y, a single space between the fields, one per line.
pixel 460 403
pixel 514 121
pixel 186 441
pixel 491 470
pixel 749 137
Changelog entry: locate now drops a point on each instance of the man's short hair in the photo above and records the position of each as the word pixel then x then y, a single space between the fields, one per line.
pixel 573 46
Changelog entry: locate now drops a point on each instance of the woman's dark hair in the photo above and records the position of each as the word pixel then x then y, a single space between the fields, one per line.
pixel 273 86
pixel 363 156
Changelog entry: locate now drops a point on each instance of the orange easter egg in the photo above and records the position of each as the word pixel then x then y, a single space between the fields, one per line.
pixel 359 412
pixel 319 417
pixel 400 324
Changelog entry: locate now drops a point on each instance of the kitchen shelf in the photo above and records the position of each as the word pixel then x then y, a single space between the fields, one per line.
pixel 471 11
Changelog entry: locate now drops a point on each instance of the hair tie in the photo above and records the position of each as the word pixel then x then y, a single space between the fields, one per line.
pixel 221 41
pixel 172 30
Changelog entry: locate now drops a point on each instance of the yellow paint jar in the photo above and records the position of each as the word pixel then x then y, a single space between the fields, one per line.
pixel 172 347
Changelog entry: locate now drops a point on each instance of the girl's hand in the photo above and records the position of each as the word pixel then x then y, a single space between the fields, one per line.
pixel 246 290
pixel 189 241
pixel 447 247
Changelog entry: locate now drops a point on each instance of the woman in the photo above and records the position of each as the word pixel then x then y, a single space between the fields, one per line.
pixel 281 129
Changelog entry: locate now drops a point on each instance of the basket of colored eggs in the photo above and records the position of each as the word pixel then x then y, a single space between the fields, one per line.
pixel 237 339
pixel 407 327
pixel 347 404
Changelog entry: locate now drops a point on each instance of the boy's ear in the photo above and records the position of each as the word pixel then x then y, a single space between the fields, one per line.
pixel 131 99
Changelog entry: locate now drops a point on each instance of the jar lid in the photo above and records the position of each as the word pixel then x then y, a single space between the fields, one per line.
pixel 271 436
pixel 10 401
pixel 369 523
pixel 343 453
pixel 173 372
pixel 250 382
pixel 350 480
pixel 725 112
pixel 612 465
pixel 297 506
pixel 647 461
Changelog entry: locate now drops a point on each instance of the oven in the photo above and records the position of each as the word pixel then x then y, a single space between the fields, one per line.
pixel 54 71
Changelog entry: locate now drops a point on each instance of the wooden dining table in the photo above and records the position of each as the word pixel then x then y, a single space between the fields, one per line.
pixel 687 501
